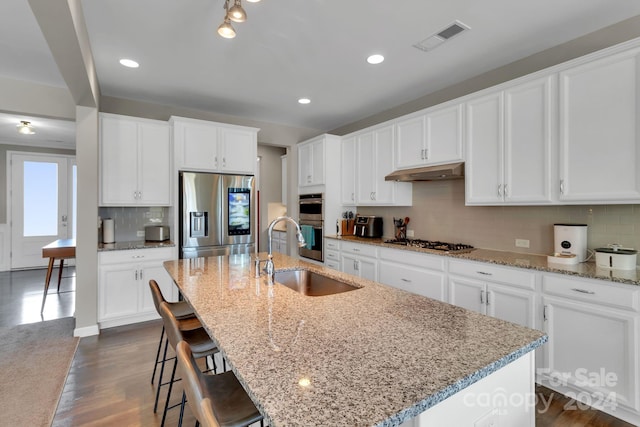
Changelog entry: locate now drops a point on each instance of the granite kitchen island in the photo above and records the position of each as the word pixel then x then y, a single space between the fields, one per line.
pixel 374 356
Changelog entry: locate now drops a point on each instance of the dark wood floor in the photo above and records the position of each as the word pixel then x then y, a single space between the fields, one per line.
pixel 109 381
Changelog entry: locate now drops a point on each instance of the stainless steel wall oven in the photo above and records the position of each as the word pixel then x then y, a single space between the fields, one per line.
pixel 311 214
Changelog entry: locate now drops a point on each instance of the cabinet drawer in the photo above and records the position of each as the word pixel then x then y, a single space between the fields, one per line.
pixel 135 255
pixel 433 262
pixel 621 296
pixel 359 249
pixel 332 255
pixel 331 244
pixel 332 264
pixel 492 273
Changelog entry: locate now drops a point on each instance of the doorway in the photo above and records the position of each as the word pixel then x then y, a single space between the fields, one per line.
pixel 43 202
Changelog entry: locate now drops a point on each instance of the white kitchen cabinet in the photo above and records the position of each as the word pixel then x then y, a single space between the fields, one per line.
pixel 311 162
pixel 599 132
pixel 505 293
pixel 415 272
pixel 279 241
pixel 359 260
pixel 434 136
pixel 593 340
pixel 135 162
pixel 510 143
pixel 124 296
pixel 374 160
pixel 214 147
pixel 348 171
pixel 332 254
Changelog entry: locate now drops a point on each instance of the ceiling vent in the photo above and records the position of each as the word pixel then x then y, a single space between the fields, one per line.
pixel 442 36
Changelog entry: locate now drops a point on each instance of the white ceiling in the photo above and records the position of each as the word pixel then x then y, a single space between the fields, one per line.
pixel 289 49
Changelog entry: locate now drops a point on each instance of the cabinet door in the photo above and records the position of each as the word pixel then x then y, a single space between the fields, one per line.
pixel 484 160
pixel 587 339
pixel 529 135
pixel 118 291
pixel 317 159
pixel 413 279
pixel 237 151
pixel 444 135
pixel 119 161
pixel 349 264
pixel 384 190
pixel 365 158
pixel 367 268
pixel 348 171
pixel 154 176
pixel 512 305
pixel 599 141
pixel 305 165
pixel 158 273
pixel 199 146
pixel 411 142
pixel 467 293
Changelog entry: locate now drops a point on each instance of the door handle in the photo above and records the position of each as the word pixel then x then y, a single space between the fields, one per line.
pixel 481 297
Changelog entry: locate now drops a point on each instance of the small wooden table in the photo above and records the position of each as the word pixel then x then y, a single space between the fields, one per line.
pixel 60 249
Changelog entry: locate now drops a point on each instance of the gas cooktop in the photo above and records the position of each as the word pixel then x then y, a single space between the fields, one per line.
pixel 430 244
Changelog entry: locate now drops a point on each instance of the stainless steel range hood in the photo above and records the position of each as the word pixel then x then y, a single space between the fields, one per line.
pixel 428 173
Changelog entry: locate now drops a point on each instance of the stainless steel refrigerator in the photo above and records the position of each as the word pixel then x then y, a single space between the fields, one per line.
pixel 217 214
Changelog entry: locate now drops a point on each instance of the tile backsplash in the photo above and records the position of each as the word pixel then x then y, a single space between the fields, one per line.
pixel 439 213
pixel 128 221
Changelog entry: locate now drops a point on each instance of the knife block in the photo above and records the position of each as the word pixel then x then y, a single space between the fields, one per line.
pixel 347 227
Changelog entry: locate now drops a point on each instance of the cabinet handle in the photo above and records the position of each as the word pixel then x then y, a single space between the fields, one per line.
pixel 481 297
pixel 583 291
pixel 374 195
pixel 426 154
pixel 406 280
pixel 506 192
pixel 499 190
pixel 488 293
pixel 141 276
pixel 224 162
pixel 137 256
pixel 135 195
pixel 484 273
pixel 215 161
pixel 355 265
pixel 136 274
pixel 562 186
pixel 544 313
pixel 353 197
pixel 356 250
pixel 139 195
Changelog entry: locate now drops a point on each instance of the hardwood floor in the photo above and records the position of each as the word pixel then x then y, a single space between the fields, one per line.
pixel 109 381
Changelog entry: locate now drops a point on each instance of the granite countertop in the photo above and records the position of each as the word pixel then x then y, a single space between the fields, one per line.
pixel 137 244
pixel 374 356
pixel 587 270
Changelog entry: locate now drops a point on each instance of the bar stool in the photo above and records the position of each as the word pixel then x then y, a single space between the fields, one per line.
pixel 198 340
pixel 216 400
pixel 183 313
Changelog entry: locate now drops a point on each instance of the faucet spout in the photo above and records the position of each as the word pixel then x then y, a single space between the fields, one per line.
pixel 269 268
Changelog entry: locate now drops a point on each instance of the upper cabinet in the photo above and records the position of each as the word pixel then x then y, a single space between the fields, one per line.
pixel 599 126
pixel 434 136
pixel 311 162
pixel 510 140
pixel 285 179
pixel 135 161
pixel 348 171
pixel 214 147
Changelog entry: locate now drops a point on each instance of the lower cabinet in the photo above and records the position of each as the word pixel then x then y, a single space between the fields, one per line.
pixel 419 273
pixel 359 260
pixel 592 353
pixel 504 293
pixel 123 285
pixel 332 254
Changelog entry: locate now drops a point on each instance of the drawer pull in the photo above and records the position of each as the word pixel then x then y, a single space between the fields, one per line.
pixel 583 291
pixel 137 256
pixel 406 280
pixel 484 273
pixel 356 250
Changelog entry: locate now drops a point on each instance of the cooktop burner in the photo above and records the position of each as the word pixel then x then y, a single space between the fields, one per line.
pixel 430 244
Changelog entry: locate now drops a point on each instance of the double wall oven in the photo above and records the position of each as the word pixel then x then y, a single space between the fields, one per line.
pixel 311 215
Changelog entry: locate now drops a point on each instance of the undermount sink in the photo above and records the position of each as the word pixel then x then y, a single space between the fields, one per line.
pixel 311 284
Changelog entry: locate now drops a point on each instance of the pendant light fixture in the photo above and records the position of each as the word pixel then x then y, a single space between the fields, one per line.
pixel 25 128
pixel 235 13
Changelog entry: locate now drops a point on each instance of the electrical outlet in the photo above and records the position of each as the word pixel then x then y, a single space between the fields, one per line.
pixel 488 420
pixel 410 233
pixel 522 243
pixel 140 233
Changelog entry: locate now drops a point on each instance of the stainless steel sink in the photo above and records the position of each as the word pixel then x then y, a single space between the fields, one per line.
pixel 311 284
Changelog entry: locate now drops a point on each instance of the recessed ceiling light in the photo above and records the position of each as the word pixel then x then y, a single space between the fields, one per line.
pixel 130 63
pixel 304 100
pixel 375 59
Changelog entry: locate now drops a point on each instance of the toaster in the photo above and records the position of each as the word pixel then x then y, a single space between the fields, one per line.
pixel 368 226
pixel 156 233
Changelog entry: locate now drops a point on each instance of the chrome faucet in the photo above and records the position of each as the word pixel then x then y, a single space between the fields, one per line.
pixel 268 267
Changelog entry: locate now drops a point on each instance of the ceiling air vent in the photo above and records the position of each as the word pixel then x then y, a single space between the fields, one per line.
pixel 441 36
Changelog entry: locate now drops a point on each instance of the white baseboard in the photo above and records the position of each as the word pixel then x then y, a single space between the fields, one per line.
pixel 5 246
pixel 87 331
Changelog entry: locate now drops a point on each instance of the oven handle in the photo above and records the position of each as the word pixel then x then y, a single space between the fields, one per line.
pixel 310 202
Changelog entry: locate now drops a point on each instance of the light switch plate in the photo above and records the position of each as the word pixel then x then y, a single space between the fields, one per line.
pixel 522 243
pixel 140 233
pixel 410 233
